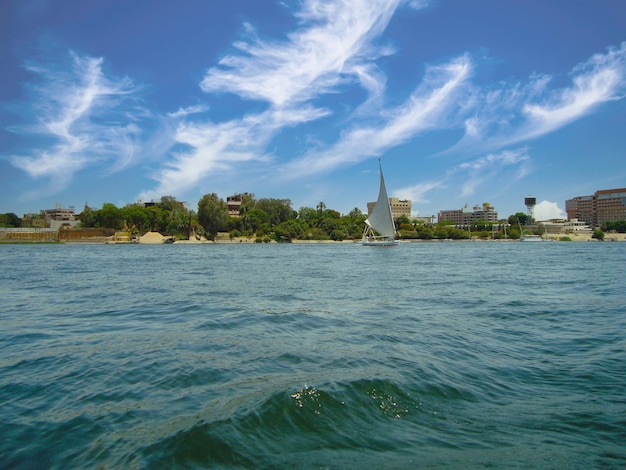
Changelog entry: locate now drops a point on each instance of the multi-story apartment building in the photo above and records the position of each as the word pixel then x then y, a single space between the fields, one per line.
pixel 466 215
pixel 399 207
pixel 607 205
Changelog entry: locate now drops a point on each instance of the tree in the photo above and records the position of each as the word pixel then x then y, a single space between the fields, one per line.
pixel 157 219
pixel 320 207
pixel 169 203
pixel 109 216
pixel 136 218
pixel 403 219
pixel 87 218
pixel 308 215
pixel 354 213
pixel 290 230
pixel 619 226
pixel 278 210
pixel 9 219
pixel 212 214
pixel 254 220
pixel 519 218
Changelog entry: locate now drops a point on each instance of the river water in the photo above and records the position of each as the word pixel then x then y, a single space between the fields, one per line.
pixel 426 355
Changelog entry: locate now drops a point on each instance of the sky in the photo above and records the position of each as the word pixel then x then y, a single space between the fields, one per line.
pixel 462 102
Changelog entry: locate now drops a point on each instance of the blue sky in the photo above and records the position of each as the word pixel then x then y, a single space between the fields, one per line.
pixel 464 102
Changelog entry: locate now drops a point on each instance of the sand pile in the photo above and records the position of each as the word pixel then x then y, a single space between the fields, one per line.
pixel 152 238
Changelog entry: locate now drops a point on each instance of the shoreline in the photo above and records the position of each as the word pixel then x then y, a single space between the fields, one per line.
pixel 610 237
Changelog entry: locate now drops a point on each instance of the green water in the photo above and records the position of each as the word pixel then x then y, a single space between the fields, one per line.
pixel 427 355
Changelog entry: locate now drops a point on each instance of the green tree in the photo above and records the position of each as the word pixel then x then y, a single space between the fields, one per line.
pixel 169 203
pixel 254 219
pixel 619 226
pixel 136 218
pixel 354 223
pixel 278 210
pixel 308 215
pixel 519 218
pixel 157 219
pixel 9 220
pixel 291 229
pixel 320 208
pixel 87 217
pixel 176 217
pixel 403 219
pixel 598 234
pixel 212 214
pixel 109 216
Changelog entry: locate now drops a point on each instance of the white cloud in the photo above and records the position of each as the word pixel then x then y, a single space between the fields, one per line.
pixel 421 111
pixel 329 50
pixel 79 118
pixel 417 192
pixel 195 109
pixel 518 112
pixel 220 147
pixel 547 210
pixel 601 79
pixel 490 168
pixel 505 166
pixel 332 48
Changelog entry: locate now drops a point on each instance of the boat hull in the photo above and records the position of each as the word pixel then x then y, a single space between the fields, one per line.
pixel 379 243
pixel 531 238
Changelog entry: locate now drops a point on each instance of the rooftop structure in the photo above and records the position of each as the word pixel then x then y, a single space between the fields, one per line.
pixel 530 202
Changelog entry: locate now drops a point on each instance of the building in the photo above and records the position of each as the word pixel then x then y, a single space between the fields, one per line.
pixel 34 220
pixel 168 201
pixel 234 203
pixel 566 226
pixel 399 207
pixel 465 216
pixel 607 205
pixel 59 217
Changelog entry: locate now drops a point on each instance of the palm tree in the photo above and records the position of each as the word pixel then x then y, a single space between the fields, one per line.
pixel 320 207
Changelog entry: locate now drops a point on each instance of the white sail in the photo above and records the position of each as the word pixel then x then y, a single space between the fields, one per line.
pixel 381 219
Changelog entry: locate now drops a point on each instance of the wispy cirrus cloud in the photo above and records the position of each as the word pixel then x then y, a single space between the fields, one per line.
pixel 324 75
pixel 423 110
pixel 601 79
pixel 491 167
pixel 508 165
pixel 332 48
pixel 516 112
pixel 77 117
pixel 329 50
pixel 220 147
pixel 182 112
pixel 417 193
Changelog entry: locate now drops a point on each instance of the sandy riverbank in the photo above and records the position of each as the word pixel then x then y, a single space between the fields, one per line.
pixel 225 239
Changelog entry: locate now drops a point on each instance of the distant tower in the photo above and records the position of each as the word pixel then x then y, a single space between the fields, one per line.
pixel 530 203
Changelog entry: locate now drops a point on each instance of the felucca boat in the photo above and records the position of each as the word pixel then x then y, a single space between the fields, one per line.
pixel 379 227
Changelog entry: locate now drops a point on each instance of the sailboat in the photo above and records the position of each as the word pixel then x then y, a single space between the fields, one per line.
pixel 527 237
pixel 379 227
